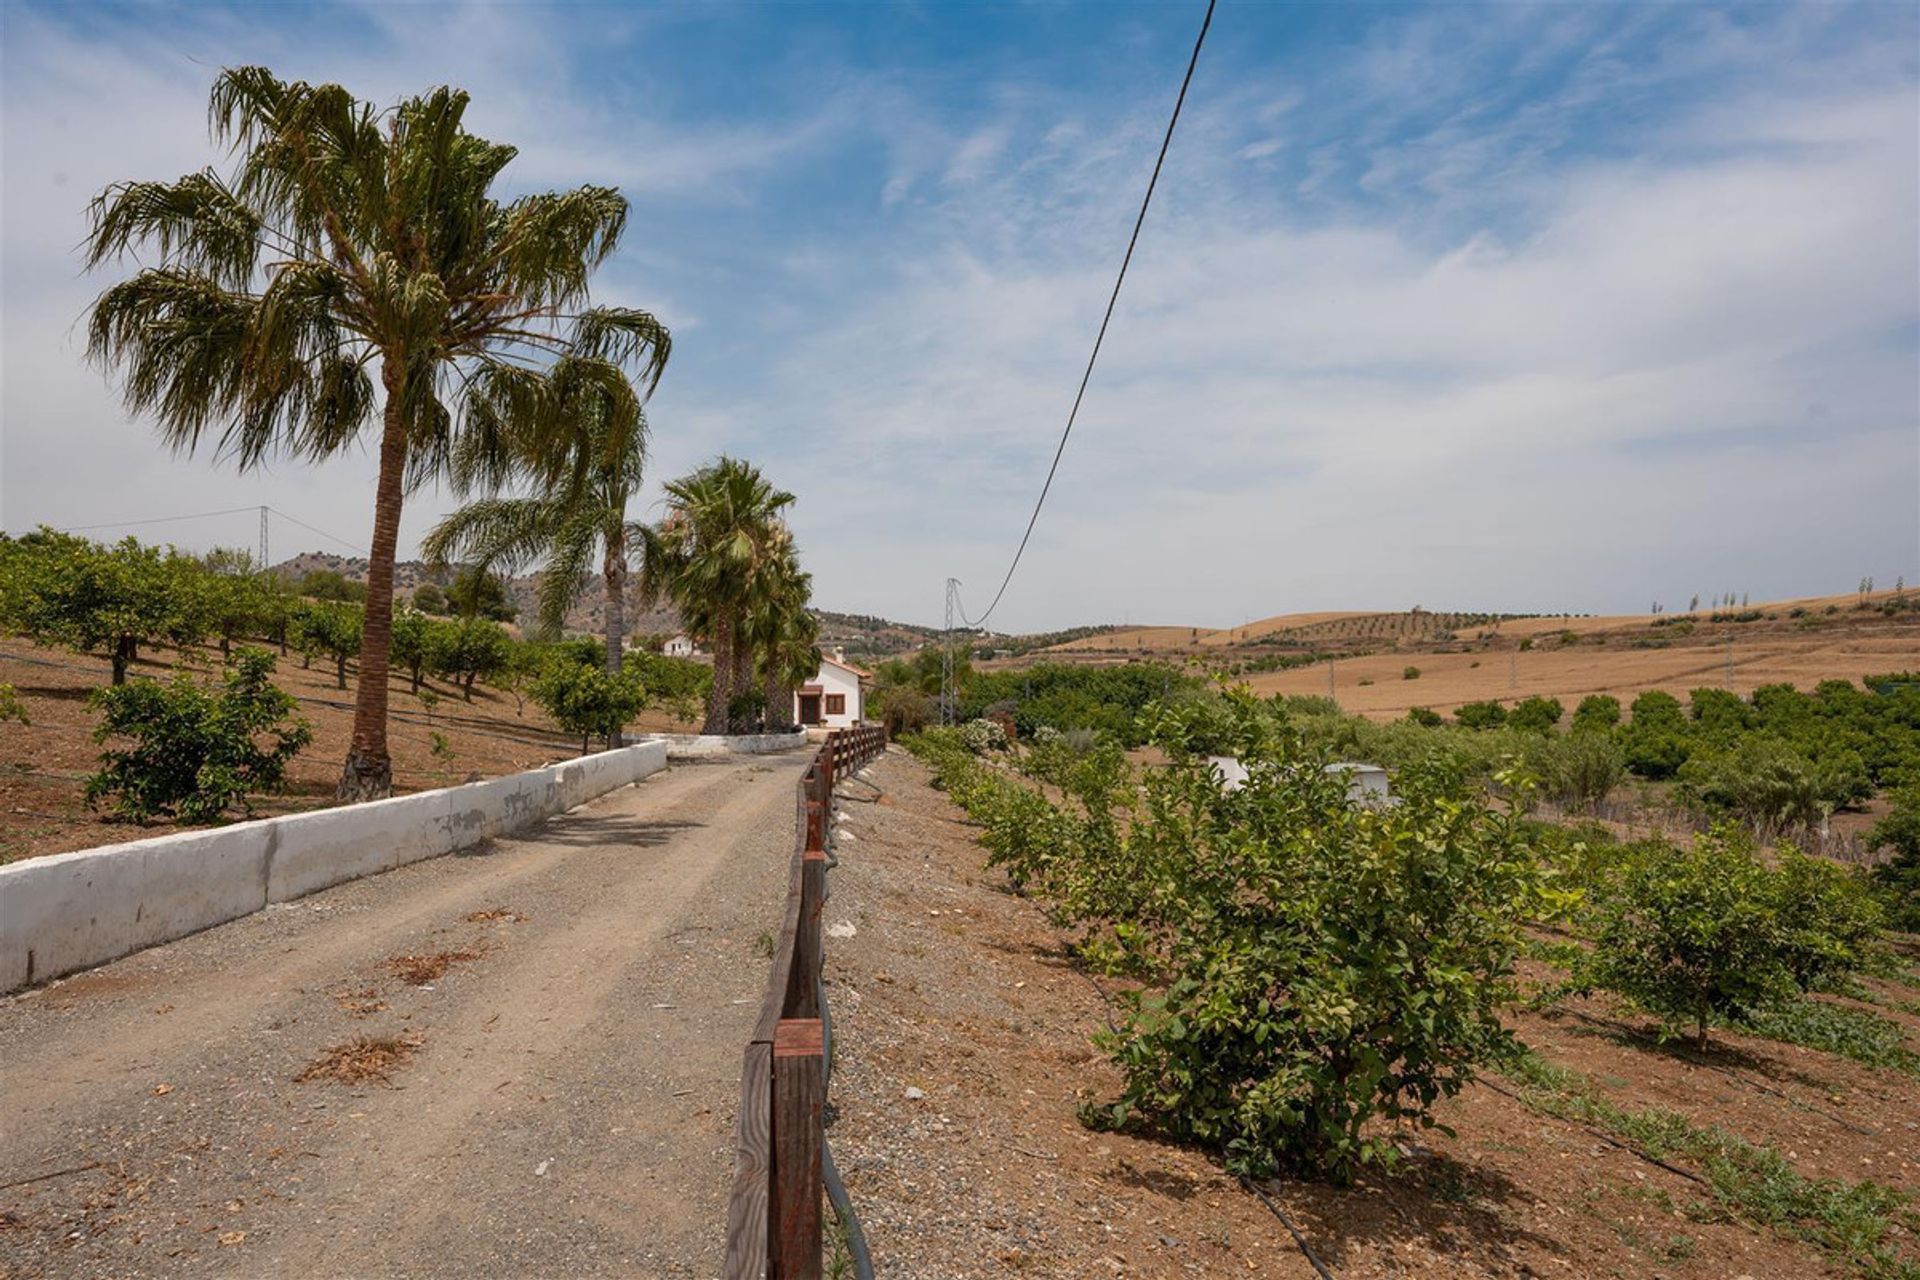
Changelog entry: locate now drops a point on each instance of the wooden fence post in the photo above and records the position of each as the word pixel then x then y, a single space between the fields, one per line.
pixel 816 828
pixel 799 1096
pixel 748 1223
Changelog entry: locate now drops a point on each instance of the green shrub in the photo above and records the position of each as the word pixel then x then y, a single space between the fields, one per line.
pixel 1658 709
pixel 328 630
pixel 63 590
pixel 1655 753
pixel 1694 934
pixel 1898 878
pixel 473 649
pixel 1410 673
pixel 196 752
pixel 1831 919
pixel 982 736
pixel 1425 716
pixel 1597 711
pixel 415 637
pixel 1535 714
pixel 582 698
pixel 1326 966
pixel 1719 709
pixel 1712 932
pixel 1480 715
pixel 904 709
pixel 11 707
pixel 1578 770
pixel 1769 785
pixel 332 586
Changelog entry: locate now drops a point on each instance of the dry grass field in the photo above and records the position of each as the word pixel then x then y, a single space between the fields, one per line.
pixel 1375 685
pixel 44 764
pixel 1796 641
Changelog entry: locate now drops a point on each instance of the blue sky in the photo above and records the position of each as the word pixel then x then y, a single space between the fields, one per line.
pixel 1530 307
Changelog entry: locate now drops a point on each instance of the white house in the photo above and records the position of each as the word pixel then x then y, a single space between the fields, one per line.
pixel 833 698
pixel 681 646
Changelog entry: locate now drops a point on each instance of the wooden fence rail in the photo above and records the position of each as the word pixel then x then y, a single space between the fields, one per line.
pixel 773 1211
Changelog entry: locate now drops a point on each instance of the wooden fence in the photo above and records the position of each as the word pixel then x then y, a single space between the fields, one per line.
pixel 773 1211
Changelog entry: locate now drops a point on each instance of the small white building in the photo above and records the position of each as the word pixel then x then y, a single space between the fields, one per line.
pixel 681 646
pixel 834 698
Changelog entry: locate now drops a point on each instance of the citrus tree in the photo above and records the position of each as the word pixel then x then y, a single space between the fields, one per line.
pixel 584 698
pixel 62 590
pixel 329 630
pixel 468 650
pixel 195 752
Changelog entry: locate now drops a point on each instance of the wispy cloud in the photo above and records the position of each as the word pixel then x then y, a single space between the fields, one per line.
pixel 1528 307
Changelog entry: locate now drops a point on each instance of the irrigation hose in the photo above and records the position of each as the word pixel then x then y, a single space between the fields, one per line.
pixel 836 1189
pixel 1292 1230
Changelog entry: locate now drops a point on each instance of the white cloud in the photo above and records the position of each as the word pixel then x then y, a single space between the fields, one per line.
pixel 1664 378
pixel 1513 368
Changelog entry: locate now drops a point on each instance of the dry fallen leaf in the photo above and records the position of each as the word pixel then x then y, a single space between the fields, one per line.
pixel 161 1090
pixel 232 1237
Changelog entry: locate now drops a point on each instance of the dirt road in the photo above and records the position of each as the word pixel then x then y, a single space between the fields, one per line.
pixel 563 1099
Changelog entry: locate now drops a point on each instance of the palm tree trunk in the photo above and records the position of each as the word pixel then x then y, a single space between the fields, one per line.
pixel 722 692
pixel 615 569
pixel 742 678
pixel 368 772
pixel 779 698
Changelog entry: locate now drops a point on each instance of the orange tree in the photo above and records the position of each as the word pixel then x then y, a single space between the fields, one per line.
pixel 351 274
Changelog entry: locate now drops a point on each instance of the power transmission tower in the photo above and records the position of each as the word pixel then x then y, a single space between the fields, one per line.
pixel 948 700
pixel 263 538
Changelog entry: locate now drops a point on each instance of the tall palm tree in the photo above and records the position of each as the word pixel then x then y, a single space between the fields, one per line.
pixel 349 241
pixel 579 463
pixel 722 527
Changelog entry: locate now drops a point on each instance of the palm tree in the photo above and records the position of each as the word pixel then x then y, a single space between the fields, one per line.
pixel 580 461
pixel 784 635
pixel 722 527
pixel 349 241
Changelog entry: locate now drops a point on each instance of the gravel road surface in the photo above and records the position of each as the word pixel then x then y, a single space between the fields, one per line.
pixel 563 1100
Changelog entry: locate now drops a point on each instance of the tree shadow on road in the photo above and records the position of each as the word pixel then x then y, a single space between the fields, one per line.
pixel 593 831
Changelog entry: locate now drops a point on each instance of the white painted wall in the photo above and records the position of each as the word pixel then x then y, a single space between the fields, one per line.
pixel 75 910
pixel 678 647
pixel 694 746
pixel 833 678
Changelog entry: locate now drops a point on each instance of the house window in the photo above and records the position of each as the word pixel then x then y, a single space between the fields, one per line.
pixel 836 704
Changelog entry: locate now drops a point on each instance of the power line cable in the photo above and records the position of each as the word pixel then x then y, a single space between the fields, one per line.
pixel 128 524
pixel 351 546
pixel 1107 319
pixel 207 515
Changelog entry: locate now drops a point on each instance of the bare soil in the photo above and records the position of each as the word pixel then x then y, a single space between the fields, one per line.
pixel 1565 658
pixel 270 1098
pixel 1375 685
pixel 954 988
pixel 44 764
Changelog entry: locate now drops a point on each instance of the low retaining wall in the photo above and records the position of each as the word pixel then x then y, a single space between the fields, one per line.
pixel 692 746
pixel 75 910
